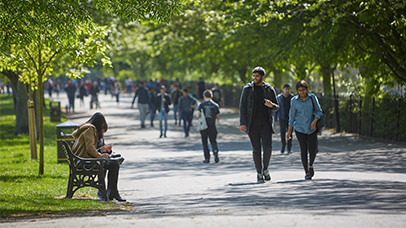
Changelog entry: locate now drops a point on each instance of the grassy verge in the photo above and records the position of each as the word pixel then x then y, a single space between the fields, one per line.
pixel 22 190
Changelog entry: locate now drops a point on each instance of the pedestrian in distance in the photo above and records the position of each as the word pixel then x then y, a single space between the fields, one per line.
pixel 211 111
pixel 175 95
pixel 117 90
pixel 304 112
pixel 87 137
pixel 218 95
pixel 200 88
pixel 257 104
pixel 94 95
pixel 162 106
pixel 143 98
pixel 194 105
pixel 70 89
pixel 282 116
pixel 152 105
pixel 185 106
pixel 82 92
pixel 128 85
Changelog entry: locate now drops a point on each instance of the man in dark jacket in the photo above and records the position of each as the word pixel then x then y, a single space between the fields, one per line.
pixel 162 105
pixel 257 104
pixel 143 96
pixel 282 116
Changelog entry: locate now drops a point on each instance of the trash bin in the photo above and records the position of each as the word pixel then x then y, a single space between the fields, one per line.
pixel 55 111
pixel 64 132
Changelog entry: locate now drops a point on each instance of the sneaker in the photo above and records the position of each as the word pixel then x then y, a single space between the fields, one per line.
pixel 311 171
pixel 206 161
pixel 308 176
pixel 267 176
pixel 260 178
pixel 216 157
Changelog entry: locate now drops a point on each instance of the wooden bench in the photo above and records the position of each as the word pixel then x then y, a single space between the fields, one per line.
pixel 85 172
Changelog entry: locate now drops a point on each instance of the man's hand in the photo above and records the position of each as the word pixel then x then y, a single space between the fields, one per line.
pixel 268 103
pixel 243 129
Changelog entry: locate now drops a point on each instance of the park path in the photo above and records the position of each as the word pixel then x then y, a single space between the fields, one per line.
pixel 359 182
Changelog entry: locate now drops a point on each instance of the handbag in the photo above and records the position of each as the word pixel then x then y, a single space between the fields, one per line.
pixel 321 122
pixel 201 122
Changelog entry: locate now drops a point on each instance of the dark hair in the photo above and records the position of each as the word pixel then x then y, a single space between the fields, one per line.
pixel 302 83
pixel 99 122
pixel 208 93
pixel 286 86
pixel 259 70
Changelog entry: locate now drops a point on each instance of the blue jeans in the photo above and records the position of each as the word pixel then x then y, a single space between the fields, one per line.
pixel 163 116
pixel 152 115
pixel 143 112
pixel 186 117
pixel 175 113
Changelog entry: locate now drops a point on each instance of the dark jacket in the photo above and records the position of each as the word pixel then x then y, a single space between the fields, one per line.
pixel 247 103
pixel 158 101
pixel 280 114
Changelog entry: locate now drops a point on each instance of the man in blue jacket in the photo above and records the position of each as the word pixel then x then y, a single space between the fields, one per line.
pixel 282 116
pixel 257 104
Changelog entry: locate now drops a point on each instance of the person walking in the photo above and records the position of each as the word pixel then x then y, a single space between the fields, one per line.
pixel 257 104
pixel 117 90
pixel 282 116
pixel 82 93
pixel 143 97
pixel 200 88
pixel 162 105
pixel 94 95
pixel 304 112
pixel 175 95
pixel 218 95
pixel 152 105
pixel 185 106
pixel 211 111
pixel 87 137
pixel 71 90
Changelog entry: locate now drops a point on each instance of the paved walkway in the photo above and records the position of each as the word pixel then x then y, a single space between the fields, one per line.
pixel 359 182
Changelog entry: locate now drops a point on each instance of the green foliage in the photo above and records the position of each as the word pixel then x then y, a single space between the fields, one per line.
pixel 23 192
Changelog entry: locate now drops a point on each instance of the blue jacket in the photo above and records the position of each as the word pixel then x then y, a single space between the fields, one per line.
pixel 301 113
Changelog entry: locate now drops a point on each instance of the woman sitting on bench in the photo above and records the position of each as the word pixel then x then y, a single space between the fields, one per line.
pixel 87 137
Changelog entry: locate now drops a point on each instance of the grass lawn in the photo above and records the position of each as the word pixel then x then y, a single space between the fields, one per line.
pixel 22 190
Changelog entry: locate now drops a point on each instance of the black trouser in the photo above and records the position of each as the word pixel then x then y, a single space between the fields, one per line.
pixel 211 133
pixel 307 143
pixel 112 177
pixel 284 124
pixel 260 132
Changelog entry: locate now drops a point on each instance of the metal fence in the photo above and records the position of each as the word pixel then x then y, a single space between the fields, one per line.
pixel 381 118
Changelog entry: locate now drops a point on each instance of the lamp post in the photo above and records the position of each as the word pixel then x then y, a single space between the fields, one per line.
pixel 335 99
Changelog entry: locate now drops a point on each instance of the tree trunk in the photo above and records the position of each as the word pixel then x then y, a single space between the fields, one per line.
pixel 20 97
pixel 243 76
pixel 326 74
pixel 277 80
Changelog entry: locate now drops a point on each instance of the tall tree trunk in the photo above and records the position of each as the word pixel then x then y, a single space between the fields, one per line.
pixel 243 76
pixel 20 97
pixel 325 71
pixel 277 80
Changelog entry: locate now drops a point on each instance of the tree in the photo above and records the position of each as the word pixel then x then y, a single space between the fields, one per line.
pixel 39 35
